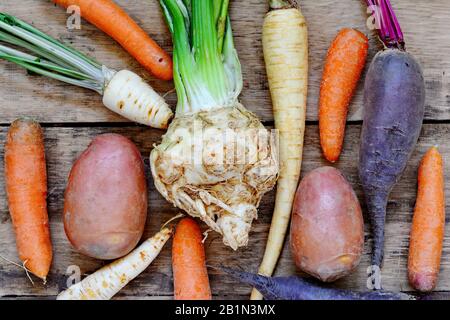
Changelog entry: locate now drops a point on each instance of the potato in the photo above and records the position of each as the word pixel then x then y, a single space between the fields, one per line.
pixel 327 228
pixel 105 205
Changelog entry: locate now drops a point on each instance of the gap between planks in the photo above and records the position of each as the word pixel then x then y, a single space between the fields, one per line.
pixel 135 125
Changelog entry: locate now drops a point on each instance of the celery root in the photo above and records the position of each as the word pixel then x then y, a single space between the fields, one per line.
pixel 285 44
pixel 216 160
pixel 124 92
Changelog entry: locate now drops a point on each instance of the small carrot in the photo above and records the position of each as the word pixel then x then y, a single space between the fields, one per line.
pixel 114 21
pixel 26 188
pixel 427 233
pixel 343 67
pixel 188 260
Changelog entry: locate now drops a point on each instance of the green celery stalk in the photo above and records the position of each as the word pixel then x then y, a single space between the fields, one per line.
pixel 207 72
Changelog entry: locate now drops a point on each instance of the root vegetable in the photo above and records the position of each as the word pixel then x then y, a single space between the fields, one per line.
pixel 216 160
pixel 327 227
pixel 343 67
pixel 114 21
pixel 123 92
pixel 26 188
pixel 394 97
pixel 105 203
pixel 190 276
pixel 427 233
pixel 296 288
pixel 128 95
pixel 109 280
pixel 285 45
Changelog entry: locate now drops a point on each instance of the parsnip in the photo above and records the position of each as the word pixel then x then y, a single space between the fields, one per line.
pixel 109 280
pixel 285 44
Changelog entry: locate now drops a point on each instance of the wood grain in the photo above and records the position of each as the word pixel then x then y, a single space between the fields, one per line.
pixel 73 116
pixel 425 24
pixel 65 144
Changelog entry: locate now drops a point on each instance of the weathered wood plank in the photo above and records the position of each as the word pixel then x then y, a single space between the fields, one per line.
pixel 65 144
pixel 425 25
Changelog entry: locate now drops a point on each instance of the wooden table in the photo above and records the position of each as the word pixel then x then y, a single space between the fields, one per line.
pixel 71 117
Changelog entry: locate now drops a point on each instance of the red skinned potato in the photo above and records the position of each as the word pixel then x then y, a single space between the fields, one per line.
pixel 327 227
pixel 105 205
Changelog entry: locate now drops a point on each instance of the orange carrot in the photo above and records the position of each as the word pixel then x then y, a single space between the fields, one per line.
pixel 26 187
pixel 343 67
pixel 114 21
pixel 188 261
pixel 427 233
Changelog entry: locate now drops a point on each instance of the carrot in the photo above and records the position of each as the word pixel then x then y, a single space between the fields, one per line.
pixel 285 44
pixel 26 188
pixel 427 233
pixel 188 260
pixel 114 21
pixel 343 67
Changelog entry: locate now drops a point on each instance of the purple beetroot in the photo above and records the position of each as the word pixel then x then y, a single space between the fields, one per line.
pixel 394 98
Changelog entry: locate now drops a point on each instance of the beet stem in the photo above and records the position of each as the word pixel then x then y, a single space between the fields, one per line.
pixel 390 31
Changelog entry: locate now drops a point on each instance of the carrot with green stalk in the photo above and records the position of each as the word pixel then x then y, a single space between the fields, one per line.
pixel 285 44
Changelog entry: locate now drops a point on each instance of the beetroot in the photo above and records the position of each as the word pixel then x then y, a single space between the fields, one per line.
pixel 394 98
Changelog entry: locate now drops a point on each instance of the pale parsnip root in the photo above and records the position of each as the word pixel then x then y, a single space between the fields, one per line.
pixel 285 44
pixel 109 280
pixel 130 96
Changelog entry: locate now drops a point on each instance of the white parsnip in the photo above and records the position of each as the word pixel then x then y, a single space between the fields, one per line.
pixel 109 280
pixel 285 44
pixel 130 96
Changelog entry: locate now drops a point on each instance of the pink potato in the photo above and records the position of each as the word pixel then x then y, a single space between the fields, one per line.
pixel 105 205
pixel 327 228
